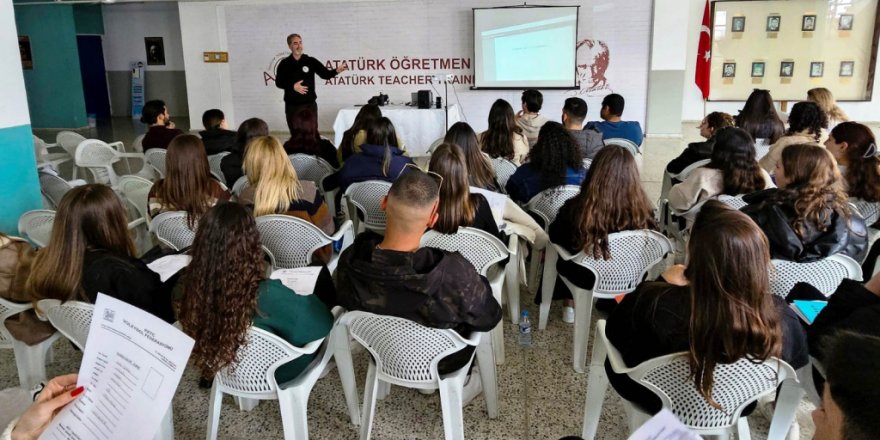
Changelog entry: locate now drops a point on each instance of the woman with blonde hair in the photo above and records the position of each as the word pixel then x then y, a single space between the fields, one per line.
pixel 825 100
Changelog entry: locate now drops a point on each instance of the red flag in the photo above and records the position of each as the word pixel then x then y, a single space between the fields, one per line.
pixel 704 54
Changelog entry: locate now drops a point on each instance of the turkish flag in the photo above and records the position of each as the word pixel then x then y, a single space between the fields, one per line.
pixel 704 55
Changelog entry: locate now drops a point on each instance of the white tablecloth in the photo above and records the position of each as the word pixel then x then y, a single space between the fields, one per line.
pixel 418 128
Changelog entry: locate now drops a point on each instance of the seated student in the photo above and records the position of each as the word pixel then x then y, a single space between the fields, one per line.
pixel 825 100
pixel 697 151
pixel 853 307
pixel 806 126
pixel 611 125
pixel 850 389
pixel 231 164
pixel 481 173
pixel 216 136
pixel 379 159
pixel 458 207
pixel 395 276
pixel 528 118
pixel 807 218
pixel 305 139
pixel 555 160
pixel 573 114
pixel 368 114
pixel 611 200
pixel 161 130
pixel 91 251
pixel 759 118
pixel 733 171
pixel 855 149
pixel 188 185
pixel 702 310
pixel 504 138
pixel 16 257
pixel 226 291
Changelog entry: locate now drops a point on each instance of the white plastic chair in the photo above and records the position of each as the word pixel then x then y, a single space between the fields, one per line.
pixel 825 275
pixel 36 226
pixel 315 169
pixel 736 385
pixel 364 198
pixel 633 254
pixel 668 178
pixel 870 211
pixel 214 161
pixel 630 146
pixel 138 144
pixel 735 202
pixel 44 157
pixel 503 169
pixel 54 188
pixel 98 158
pixel 240 185
pixel 170 229
pixel 434 145
pixel 156 158
pixel 762 147
pixel 136 191
pixel 30 360
pixel 290 241
pixel 545 206
pixel 587 164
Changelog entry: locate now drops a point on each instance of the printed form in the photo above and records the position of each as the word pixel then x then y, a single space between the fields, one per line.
pixel 131 367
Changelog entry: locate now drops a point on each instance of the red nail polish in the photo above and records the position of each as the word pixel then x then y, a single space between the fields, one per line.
pixel 77 391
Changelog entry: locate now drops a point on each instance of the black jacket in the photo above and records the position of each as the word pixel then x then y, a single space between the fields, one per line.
pixel 127 279
pixel 290 71
pixel 851 307
pixel 775 214
pixel 695 152
pixel 218 140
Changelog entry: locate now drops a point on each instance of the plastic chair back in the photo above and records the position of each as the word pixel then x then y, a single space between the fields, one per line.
pixel 667 177
pixel 630 146
pixel 98 158
pixel 36 226
pixel 7 309
pixel 546 204
pixel 434 145
pixel 156 158
pixel 258 358
pixel 71 318
pixel 870 211
pixel 240 185
pixel 311 168
pixel 136 190
pixel 138 144
pixel 69 140
pixel 171 229
pixel 824 275
pixel 214 162
pixel 735 202
pixel 587 164
pixel 480 248
pixel 503 170
pixel 54 188
pixel 365 197
pixel 762 147
pixel 290 241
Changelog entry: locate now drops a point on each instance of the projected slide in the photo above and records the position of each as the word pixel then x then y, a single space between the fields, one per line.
pixel 525 47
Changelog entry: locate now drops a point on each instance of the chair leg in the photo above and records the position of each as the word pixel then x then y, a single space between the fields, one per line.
pixel 743 432
pixel 30 362
pixel 805 377
pixel 583 309
pixel 214 406
pixel 511 282
pixel 370 389
pixel 293 403
pixel 450 401
pixel 166 427
pixel 597 385
pixel 535 269
pixel 488 377
pixel 246 404
pixel 786 405
pixel 548 284
pixel 384 390
pixel 345 368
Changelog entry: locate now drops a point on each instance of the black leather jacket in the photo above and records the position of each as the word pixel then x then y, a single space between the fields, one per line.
pixel 774 216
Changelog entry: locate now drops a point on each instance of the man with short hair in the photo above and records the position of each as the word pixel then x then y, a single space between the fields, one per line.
pixel 612 126
pixel 296 76
pixel 216 136
pixel 161 130
pixel 574 111
pixel 528 118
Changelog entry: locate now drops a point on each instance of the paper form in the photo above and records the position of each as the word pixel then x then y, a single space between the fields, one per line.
pixel 664 426
pixel 497 201
pixel 301 280
pixel 131 367
pixel 169 265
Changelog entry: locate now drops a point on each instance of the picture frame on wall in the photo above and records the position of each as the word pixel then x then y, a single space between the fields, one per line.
pixel 758 69
pixel 817 69
pixel 24 49
pixel 728 70
pixel 847 68
pixel 786 69
pixel 155 48
pixel 845 22
pixel 808 23
pixel 774 23
pixel 738 24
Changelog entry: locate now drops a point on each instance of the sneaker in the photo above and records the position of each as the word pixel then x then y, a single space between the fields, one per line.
pixel 568 315
pixel 473 386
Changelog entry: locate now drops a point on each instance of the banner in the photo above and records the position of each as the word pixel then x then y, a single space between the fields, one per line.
pixel 137 89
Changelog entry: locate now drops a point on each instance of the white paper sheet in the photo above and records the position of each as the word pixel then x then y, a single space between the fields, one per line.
pixel 169 265
pixel 497 201
pixel 131 367
pixel 301 280
pixel 664 426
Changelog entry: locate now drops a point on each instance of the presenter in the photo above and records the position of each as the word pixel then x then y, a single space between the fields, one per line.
pixel 296 76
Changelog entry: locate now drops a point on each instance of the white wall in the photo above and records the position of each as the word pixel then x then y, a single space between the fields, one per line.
pixel 13 105
pixel 126 25
pixel 208 85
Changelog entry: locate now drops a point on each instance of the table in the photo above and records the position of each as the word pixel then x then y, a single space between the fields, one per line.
pixel 418 128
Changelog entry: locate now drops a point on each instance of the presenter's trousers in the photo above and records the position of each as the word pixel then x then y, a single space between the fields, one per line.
pixel 291 109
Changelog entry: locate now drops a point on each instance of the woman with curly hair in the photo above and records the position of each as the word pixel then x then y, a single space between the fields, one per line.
pixel 480 171
pixel 854 147
pixel 759 118
pixel 555 160
pixel 825 100
pixel 806 125
pixel 226 292
pixel 808 218
pixel 732 171
pixel 697 151
pixel 504 138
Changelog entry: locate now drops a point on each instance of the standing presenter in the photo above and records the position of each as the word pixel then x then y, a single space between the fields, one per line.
pixel 296 76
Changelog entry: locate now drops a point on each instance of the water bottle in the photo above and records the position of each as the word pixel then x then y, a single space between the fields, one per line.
pixel 525 330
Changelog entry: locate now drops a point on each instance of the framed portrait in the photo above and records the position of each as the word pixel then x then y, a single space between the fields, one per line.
pixel 758 69
pixel 728 70
pixel 847 68
pixel 808 23
pixel 773 23
pixel 155 48
pixel 817 69
pixel 738 24
pixel 24 49
pixel 786 69
pixel 845 22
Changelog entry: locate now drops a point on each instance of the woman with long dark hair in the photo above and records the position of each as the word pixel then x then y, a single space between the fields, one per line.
pixel 480 171
pixel 305 139
pixel 806 125
pixel 759 118
pixel 732 171
pixel 91 251
pixel 504 138
pixel 697 151
pixel 554 160
pixel 356 136
pixel 718 309
pixel 231 164
pixel 854 147
pixel 458 206
pixel 226 291
pixel 381 158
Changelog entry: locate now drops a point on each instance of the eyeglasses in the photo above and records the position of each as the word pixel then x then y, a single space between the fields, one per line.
pixel 412 166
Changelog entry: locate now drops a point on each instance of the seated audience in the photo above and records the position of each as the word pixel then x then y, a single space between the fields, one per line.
pixel 231 164
pixel 702 310
pixel 805 126
pixel 807 218
pixel 481 173
pixel 573 114
pixel 226 292
pixel 825 100
pixel 379 159
pixel 216 136
pixel 611 200
pixel 188 185
pixel 855 149
pixel 161 130
pixel 356 136
pixel 504 138
pixel 305 139
pixel 528 118
pixel 555 160
pixel 697 151
pixel 91 251
pixel 612 126
pixel 732 171
pixel 16 257
pixel 458 207
pixel 759 118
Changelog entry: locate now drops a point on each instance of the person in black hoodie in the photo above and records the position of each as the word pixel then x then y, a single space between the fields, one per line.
pixel 697 151
pixel 216 136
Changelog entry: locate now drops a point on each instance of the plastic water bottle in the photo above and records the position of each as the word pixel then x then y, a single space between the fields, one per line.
pixel 525 330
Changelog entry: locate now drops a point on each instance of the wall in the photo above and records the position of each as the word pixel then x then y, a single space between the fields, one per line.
pixel 125 27
pixel 88 19
pixel 19 187
pixel 54 86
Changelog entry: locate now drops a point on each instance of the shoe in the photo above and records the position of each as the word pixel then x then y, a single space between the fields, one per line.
pixel 473 386
pixel 568 315
pixel 206 383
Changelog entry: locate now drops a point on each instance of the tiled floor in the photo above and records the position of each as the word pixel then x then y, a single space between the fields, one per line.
pixel 540 395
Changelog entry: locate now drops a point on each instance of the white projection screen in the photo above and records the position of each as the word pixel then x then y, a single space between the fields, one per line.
pixel 525 47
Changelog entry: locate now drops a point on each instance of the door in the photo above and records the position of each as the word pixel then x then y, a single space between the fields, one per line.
pixel 94 77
